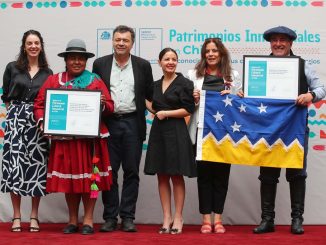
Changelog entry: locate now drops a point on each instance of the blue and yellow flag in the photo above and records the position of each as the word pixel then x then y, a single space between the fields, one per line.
pixel 250 131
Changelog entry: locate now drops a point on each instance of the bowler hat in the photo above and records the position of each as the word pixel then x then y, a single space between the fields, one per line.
pixel 280 30
pixel 76 46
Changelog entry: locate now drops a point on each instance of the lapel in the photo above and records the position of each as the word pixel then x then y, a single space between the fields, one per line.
pixel 136 74
pixel 107 69
pixel 198 82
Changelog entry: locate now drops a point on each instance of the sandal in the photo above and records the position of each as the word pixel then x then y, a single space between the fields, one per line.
pixel 33 228
pixel 218 227
pixel 164 230
pixel 176 231
pixel 17 228
pixel 206 228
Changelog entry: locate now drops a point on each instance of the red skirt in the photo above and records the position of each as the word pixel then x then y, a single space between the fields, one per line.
pixel 70 165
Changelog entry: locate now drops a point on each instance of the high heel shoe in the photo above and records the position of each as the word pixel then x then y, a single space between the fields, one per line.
pixel 34 228
pixel 17 228
pixel 164 230
pixel 176 231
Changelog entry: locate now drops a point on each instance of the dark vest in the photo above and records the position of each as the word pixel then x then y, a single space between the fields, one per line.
pixel 303 85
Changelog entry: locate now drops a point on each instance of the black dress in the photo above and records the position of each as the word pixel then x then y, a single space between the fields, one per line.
pixel 169 146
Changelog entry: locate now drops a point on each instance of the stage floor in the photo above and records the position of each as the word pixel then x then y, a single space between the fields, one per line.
pixel 147 234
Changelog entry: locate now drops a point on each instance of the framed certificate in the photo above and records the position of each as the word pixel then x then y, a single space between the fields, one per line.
pixel 271 77
pixel 72 112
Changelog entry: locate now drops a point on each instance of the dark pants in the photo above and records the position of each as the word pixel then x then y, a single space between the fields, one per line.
pixel 271 175
pixel 213 183
pixel 125 148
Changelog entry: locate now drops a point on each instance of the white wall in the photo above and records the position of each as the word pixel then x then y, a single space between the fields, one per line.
pixel 59 25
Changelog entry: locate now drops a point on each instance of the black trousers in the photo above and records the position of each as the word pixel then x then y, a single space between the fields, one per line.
pixel 213 183
pixel 125 149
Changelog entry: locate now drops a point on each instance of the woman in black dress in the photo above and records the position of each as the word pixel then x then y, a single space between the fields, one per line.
pixel 170 153
pixel 25 148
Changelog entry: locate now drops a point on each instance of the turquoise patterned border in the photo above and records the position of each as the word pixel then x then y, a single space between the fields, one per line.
pixel 5 5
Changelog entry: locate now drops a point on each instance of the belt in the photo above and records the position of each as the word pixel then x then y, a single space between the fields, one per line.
pixel 125 115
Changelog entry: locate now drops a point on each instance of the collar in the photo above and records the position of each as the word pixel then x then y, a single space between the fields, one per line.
pixel 124 66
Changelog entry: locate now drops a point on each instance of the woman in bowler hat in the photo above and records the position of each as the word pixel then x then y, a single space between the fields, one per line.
pixel 78 166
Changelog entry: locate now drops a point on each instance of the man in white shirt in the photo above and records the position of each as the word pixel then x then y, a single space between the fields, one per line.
pixel 130 81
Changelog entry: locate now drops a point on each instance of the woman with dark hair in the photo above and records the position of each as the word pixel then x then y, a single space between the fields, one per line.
pixel 212 72
pixel 169 153
pixel 25 148
pixel 78 166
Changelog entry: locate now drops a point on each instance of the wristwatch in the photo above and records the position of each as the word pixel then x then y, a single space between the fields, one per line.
pixel 313 95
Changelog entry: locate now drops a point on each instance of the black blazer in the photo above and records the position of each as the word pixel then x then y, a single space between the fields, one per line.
pixel 143 84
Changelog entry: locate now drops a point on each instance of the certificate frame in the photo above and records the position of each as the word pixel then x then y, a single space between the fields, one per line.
pixel 272 77
pixel 72 112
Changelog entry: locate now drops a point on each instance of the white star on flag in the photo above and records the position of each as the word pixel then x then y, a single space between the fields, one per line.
pixel 227 101
pixel 236 127
pixel 262 108
pixel 218 117
pixel 242 108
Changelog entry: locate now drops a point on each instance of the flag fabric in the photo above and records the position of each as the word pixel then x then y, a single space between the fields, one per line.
pixel 251 131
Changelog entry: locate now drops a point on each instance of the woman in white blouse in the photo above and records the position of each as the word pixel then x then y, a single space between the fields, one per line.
pixel 212 72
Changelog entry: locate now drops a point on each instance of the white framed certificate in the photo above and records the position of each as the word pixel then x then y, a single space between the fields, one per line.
pixel 271 77
pixel 71 112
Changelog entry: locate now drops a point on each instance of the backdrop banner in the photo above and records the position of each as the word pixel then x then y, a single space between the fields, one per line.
pixel 182 25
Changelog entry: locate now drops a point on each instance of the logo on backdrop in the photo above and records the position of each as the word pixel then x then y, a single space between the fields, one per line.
pixel 105 35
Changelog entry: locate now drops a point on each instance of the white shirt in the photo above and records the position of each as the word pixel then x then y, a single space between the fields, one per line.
pixel 122 87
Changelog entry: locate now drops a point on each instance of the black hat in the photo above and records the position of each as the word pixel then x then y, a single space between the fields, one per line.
pixel 76 46
pixel 280 30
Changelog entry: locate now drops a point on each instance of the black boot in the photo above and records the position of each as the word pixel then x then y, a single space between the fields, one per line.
pixel 267 195
pixel 297 193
